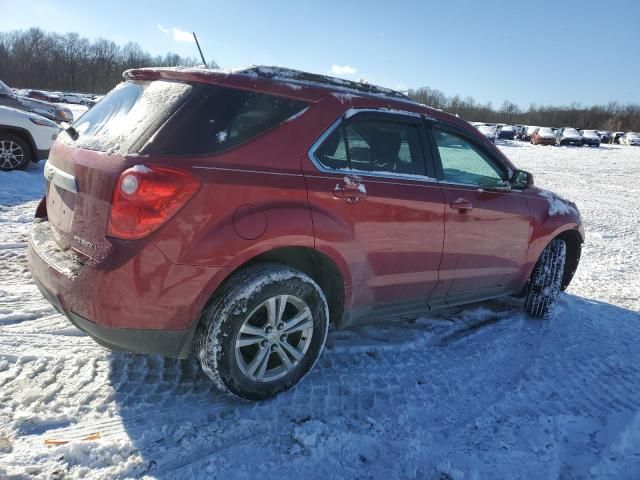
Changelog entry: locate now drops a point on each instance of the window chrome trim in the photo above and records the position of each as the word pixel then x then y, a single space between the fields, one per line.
pixel 504 189
pixel 361 173
pixel 245 170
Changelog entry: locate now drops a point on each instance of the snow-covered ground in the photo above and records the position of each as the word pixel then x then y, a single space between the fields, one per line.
pixel 483 393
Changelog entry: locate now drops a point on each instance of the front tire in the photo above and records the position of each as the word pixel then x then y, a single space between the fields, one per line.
pixel 263 332
pixel 546 280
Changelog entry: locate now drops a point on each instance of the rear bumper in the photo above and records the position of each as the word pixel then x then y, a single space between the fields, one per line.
pixel 169 343
pixel 145 305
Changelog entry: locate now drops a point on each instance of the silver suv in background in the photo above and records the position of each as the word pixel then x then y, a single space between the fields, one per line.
pixel 8 98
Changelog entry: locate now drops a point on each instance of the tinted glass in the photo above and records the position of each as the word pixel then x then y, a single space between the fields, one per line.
pixel 219 118
pixel 374 146
pixel 462 162
pixel 333 153
pixel 129 111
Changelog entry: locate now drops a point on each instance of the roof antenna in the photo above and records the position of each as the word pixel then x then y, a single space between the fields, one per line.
pixel 200 50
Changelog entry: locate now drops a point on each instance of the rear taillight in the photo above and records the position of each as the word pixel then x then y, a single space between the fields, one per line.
pixel 144 198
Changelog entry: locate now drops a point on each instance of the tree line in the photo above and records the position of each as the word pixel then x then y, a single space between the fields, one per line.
pixel 613 116
pixel 51 61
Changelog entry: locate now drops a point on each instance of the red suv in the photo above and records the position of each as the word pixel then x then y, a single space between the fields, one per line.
pixel 240 215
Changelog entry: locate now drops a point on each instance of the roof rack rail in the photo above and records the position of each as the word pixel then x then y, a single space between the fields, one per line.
pixel 298 76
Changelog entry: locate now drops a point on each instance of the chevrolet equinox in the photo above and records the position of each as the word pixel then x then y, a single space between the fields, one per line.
pixel 238 215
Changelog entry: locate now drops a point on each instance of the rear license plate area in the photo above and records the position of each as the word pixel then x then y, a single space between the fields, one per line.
pixel 60 207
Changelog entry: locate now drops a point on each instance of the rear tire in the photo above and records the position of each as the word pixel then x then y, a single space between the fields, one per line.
pixel 546 280
pixel 15 153
pixel 263 332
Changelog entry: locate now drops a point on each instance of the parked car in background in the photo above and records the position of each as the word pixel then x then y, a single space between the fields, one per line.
pixel 543 136
pixel 605 136
pixel 77 99
pixel 526 136
pixel 8 98
pixel 327 211
pixel 24 137
pixel 590 138
pixel 72 98
pixel 521 133
pixel 630 138
pixel 488 131
pixel 507 132
pixel 40 95
pixel 568 136
pixel 615 138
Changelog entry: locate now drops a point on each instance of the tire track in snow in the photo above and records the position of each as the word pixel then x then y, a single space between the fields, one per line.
pixel 343 384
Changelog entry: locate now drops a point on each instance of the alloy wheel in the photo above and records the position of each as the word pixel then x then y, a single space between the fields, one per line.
pixel 274 338
pixel 11 154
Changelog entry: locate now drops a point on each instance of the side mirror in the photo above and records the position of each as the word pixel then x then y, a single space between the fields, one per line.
pixel 521 180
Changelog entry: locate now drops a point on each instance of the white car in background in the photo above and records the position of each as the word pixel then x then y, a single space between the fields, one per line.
pixel 24 137
pixel 630 138
pixel 488 131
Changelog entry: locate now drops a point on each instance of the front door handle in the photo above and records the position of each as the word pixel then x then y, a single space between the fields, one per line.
pixel 350 193
pixel 462 205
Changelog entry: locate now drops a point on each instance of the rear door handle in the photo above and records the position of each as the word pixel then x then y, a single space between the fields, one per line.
pixel 462 205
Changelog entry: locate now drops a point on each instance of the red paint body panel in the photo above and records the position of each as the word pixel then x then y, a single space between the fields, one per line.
pixel 391 241
pixel 145 292
pixel 536 139
pixel 485 247
pixel 401 242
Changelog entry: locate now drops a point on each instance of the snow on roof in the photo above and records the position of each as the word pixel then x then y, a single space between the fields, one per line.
pixel 292 77
pixel 289 74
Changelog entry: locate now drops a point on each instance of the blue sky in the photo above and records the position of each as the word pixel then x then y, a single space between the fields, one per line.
pixel 542 52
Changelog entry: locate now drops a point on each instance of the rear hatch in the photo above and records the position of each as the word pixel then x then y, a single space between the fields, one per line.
pixel 87 159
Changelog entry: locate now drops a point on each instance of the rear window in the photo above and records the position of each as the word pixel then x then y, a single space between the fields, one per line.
pixel 218 118
pixel 127 114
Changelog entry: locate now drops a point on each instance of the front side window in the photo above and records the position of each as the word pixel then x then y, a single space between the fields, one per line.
pixel 374 146
pixel 464 163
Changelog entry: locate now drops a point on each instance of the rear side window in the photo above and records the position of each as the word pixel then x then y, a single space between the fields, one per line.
pixel 219 118
pixel 374 146
pixel 128 113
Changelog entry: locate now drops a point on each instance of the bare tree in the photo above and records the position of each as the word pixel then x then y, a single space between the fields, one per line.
pixel 45 60
pixel 613 116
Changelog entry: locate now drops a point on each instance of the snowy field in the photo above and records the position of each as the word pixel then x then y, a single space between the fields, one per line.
pixel 482 394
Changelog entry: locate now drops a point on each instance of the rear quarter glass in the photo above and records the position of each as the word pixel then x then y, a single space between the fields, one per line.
pixel 215 119
pixel 127 116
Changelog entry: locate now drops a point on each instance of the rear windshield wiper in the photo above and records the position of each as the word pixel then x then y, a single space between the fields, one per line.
pixel 72 132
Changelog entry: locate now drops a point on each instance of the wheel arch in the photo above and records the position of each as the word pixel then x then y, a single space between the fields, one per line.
pixel 573 237
pixel 321 268
pixel 318 266
pixel 573 240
